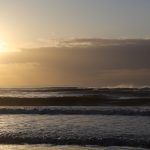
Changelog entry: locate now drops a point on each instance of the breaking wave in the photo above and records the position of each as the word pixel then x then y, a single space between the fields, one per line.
pixel 77 110
pixel 75 130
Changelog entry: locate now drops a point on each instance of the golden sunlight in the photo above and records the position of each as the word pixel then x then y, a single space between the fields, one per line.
pixel 6 47
pixel 3 46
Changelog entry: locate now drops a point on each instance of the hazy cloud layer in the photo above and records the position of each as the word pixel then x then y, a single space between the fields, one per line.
pixel 81 62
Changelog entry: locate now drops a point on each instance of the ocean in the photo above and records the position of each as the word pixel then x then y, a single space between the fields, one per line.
pixel 110 126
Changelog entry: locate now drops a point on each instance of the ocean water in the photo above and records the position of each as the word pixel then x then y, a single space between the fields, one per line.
pixel 93 126
pixel 48 92
pixel 74 127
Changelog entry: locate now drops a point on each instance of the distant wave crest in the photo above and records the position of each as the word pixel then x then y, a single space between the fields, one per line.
pixel 78 110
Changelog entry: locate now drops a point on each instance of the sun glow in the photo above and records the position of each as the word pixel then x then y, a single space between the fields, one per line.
pixel 3 46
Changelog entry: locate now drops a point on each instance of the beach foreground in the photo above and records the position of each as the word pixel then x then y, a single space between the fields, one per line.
pixel 50 147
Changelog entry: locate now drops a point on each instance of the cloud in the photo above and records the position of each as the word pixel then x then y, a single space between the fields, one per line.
pixel 83 62
pixel 88 42
pixel 96 53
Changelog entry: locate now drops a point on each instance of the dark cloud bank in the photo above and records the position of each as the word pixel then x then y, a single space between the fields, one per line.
pixel 89 62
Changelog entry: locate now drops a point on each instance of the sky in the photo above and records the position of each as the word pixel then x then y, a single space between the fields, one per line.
pixel 74 43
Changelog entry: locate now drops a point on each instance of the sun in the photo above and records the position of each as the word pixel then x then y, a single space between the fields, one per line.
pixel 3 46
